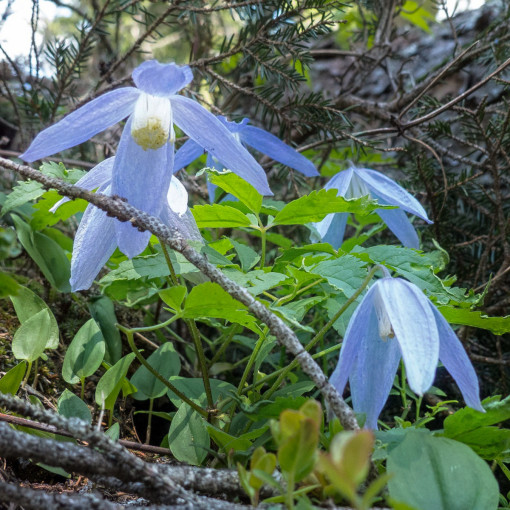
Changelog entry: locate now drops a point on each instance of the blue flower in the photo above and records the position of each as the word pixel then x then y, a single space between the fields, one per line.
pixel 254 137
pixel 144 161
pixel 95 240
pixel 359 182
pixel 396 320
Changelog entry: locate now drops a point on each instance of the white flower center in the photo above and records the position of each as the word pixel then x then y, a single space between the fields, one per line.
pixel 152 122
pixel 383 320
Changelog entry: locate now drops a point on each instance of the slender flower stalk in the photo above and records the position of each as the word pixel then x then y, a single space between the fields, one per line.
pixel 397 321
pixel 358 182
pixel 144 161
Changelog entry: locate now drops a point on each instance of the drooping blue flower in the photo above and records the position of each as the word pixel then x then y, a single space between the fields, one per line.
pixel 394 321
pixel 358 182
pixel 257 138
pixel 95 240
pixel 144 161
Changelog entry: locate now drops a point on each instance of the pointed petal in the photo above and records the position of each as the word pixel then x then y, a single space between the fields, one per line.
pixel 185 224
pixel 391 192
pixel 177 197
pixel 84 123
pixel 358 329
pixel 340 182
pixel 143 178
pixel 94 244
pixel 161 79
pixel 415 329
pixel 332 229
pixel 456 361
pixel 272 146
pixel 373 373
pixel 186 154
pixel 99 175
pixel 400 225
pixel 203 127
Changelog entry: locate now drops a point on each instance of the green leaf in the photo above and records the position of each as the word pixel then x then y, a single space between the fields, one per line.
pixel 110 384
pixel 71 406
pixel 32 336
pixel 226 442
pixel 103 312
pixel 9 246
pixel 188 438
pixel 24 192
pixel 84 354
pixel 417 15
pixel 245 192
pixel 46 253
pixel 345 273
pixel 166 363
pixel 193 388
pixel 466 317
pixel 113 432
pixel 43 217
pixel 256 282
pixel 247 256
pixel 435 473
pixel 8 286
pixel 11 381
pixel 210 300
pixel 316 205
pixel 219 216
pixel 173 296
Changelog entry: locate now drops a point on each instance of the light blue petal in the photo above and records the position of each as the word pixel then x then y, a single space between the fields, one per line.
pixel 143 178
pixel 99 175
pixel 335 233
pixel 357 331
pixel 340 182
pixel 185 224
pixel 203 127
pixel 233 127
pixel 456 361
pixel 400 225
pixel 415 329
pixel 272 146
pixel 186 154
pixel 391 192
pixel 373 373
pixel 210 162
pixel 83 124
pixel 94 244
pixel 161 79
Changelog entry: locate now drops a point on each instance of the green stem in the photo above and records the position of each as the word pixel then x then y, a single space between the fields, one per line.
pixel 173 276
pixel 263 247
pixel 322 332
pixel 168 384
pixel 289 495
pixel 29 369
pixel 82 392
pixel 149 422
pixel 251 361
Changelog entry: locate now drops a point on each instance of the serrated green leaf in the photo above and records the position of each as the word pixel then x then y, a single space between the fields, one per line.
pixel 315 206
pixel 466 317
pixel 245 192
pixel 256 282
pixel 247 256
pixel 219 216
pixel 43 217
pixel 173 296
pixel 24 192
pixel 84 354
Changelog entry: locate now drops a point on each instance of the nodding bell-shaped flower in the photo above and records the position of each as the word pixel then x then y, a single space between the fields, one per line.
pixel 395 321
pixel 95 240
pixel 251 136
pixel 144 161
pixel 359 182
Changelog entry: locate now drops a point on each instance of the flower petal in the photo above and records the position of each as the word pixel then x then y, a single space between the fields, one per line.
pixel 185 224
pixel 340 182
pixel 358 329
pixel 187 153
pixel 413 323
pixel 203 127
pixel 456 361
pixel 373 373
pixel 332 229
pixel 143 178
pixel 177 197
pixel 99 175
pixel 161 79
pixel 84 123
pixel 391 192
pixel 272 146
pixel 400 225
pixel 94 244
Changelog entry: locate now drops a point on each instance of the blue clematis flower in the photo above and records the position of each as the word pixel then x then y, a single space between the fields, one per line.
pixel 396 320
pixel 251 136
pixel 359 182
pixel 95 240
pixel 144 161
